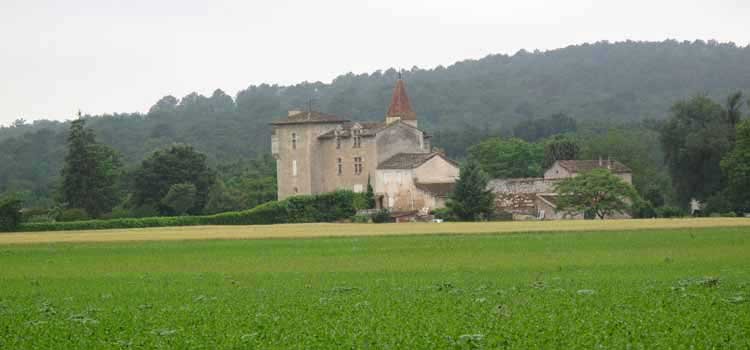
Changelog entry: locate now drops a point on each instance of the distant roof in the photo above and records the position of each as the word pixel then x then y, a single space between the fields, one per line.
pixel 309 117
pixel 400 105
pixel 410 160
pixel 582 166
pixel 439 189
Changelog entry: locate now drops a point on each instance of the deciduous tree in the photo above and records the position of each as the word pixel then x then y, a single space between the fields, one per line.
pixel 177 164
pixel 598 191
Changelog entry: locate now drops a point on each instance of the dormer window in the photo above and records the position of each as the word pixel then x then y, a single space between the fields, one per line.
pixel 294 140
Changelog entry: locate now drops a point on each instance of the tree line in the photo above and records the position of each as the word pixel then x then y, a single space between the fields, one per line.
pixel 530 95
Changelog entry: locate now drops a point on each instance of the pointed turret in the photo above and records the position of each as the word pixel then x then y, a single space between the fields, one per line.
pixel 400 108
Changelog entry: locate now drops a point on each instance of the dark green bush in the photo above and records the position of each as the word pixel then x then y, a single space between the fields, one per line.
pixel 73 214
pixel 670 212
pixel 327 207
pixel 643 209
pixel 10 213
pixel 444 214
pixel 382 216
pixel 501 216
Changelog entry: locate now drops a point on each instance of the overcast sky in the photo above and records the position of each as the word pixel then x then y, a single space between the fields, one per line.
pixel 122 56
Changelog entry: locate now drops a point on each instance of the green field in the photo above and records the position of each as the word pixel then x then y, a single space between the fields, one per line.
pixel 657 288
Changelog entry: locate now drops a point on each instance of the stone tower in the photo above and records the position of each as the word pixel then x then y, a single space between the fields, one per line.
pixel 295 146
pixel 400 108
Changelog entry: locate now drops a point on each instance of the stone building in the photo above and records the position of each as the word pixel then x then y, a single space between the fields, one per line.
pixel 535 197
pixel 317 153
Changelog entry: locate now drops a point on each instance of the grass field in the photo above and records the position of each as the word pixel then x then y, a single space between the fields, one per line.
pixel 641 284
pixel 351 230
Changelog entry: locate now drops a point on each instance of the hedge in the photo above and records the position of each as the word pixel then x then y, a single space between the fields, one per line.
pixel 327 207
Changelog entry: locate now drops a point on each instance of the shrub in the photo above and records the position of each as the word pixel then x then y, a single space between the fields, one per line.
pixel 327 207
pixel 444 214
pixel 500 216
pixel 361 218
pixel 10 213
pixel 73 214
pixel 643 209
pixel 382 216
pixel 670 212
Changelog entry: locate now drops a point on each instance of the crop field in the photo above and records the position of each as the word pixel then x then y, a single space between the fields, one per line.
pixel 668 284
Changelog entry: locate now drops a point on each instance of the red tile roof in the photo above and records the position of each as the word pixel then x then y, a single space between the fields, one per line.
pixel 400 106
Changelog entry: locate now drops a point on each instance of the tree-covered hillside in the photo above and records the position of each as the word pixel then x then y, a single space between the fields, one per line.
pixel 602 83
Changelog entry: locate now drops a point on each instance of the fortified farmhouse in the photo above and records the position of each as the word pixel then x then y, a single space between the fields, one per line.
pixel 317 153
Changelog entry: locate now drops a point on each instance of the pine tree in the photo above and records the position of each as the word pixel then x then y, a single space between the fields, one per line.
pixel 90 173
pixel 471 200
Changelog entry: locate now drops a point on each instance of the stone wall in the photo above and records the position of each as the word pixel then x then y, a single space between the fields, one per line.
pixel 522 185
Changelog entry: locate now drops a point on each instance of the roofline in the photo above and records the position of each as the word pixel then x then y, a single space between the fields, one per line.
pixel 281 122
pixel 625 171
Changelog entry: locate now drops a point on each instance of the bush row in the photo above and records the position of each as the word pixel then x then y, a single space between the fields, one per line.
pixel 326 207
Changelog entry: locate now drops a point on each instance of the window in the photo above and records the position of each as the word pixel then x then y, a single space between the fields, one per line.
pixel 339 166
pixel 338 142
pixel 294 140
pixel 294 168
pixel 357 137
pixel 357 165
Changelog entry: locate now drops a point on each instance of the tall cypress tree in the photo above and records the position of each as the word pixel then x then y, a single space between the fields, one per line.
pixel 471 200
pixel 89 176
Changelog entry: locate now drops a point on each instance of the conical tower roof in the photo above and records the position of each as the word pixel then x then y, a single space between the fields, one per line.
pixel 400 106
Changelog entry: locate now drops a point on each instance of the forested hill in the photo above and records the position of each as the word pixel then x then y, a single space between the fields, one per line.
pixel 604 82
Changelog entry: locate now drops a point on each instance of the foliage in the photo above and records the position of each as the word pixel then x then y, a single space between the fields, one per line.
pixel 382 216
pixel 643 209
pixel 598 191
pixel 536 129
pixel 471 200
pixel 90 172
pixel 10 213
pixel 736 166
pixel 560 148
pixel 73 214
pixel 173 165
pixel 508 158
pixel 370 194
pixel 636 146
pixel 180 198
pixel 695 139
pixel 327 207
pixel 444 214
pixel 612 83
pixel 668 212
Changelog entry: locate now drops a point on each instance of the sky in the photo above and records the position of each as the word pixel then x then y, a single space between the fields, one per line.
pixel 102 56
